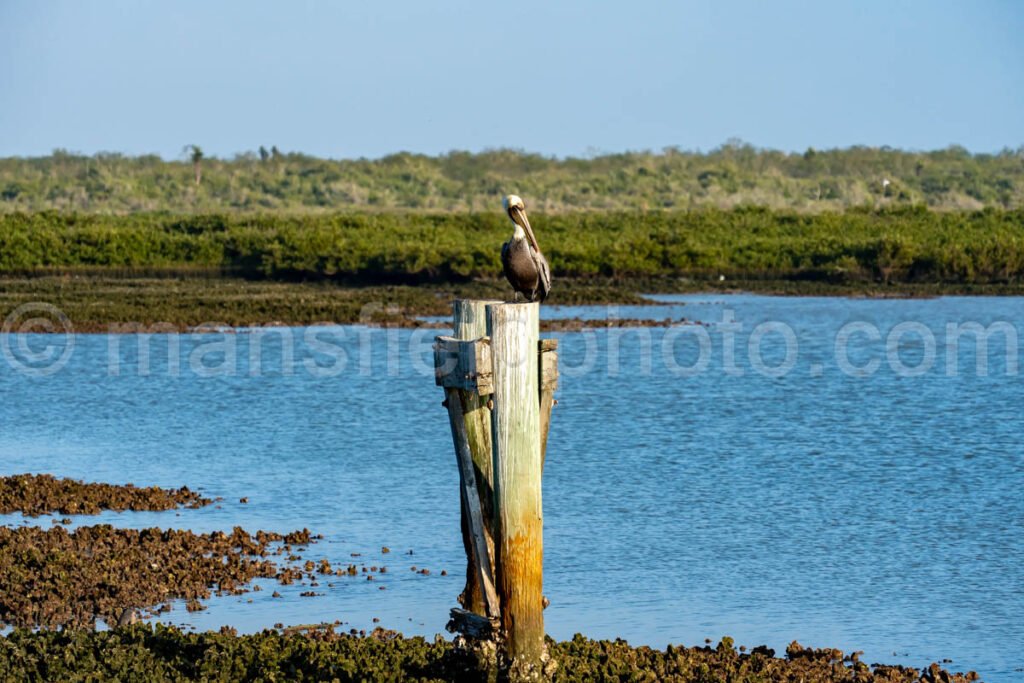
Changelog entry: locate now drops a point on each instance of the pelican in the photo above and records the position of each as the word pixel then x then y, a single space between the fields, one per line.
pixel 525 267
pixel 128 617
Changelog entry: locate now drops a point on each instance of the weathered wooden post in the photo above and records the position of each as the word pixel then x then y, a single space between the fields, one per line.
pixel 499 390
pixel 470 323
pixel 514 330
pixel 548 384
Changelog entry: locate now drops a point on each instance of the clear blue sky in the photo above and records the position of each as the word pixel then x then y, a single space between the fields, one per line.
pixel 350 79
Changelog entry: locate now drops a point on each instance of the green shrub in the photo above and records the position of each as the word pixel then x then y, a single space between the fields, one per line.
pixel 897 245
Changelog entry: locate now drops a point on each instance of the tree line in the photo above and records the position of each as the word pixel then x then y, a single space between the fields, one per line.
pixel 732 175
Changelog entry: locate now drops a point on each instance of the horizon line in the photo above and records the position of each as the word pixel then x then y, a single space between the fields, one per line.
pixel 590 154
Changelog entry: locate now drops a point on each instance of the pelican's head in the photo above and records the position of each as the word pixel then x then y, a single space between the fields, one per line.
pixel 513 201
pixel 516 210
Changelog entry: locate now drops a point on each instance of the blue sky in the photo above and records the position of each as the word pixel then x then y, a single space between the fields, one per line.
pixel 347 79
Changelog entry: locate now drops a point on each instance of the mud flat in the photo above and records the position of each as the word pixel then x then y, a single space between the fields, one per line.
pixel 108 304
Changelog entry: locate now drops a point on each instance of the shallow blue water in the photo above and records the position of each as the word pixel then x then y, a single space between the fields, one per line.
pixel 863 497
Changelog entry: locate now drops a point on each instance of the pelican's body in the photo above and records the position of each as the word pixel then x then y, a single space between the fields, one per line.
pixel 524 265
pixel 517 259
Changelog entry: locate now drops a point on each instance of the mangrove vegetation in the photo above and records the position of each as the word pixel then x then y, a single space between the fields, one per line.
pixel 910 245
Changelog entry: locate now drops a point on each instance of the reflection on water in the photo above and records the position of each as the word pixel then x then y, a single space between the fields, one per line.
pixel 690 491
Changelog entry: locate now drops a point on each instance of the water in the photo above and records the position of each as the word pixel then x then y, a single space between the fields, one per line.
pixel 859 497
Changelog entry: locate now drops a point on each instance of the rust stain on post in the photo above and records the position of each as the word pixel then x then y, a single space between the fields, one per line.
pixel 523 572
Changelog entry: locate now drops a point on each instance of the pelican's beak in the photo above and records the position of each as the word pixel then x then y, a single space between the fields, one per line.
pixel 518 216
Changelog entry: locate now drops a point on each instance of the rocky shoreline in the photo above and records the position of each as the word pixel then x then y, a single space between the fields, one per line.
pixel 56 584
pixel 163 653
pixel 40 494
pixel 55 578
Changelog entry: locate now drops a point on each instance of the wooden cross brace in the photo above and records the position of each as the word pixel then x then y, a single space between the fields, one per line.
pixel 466 365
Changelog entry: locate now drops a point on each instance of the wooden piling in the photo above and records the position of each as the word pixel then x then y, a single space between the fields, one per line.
pixel 518 512
pixel 470 496
pixel 501 387
pixel 470 322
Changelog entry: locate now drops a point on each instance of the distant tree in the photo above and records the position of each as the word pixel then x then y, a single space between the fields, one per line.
pixel 275 152
pixel 195 154
pixel 11 192
pixel 264 154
